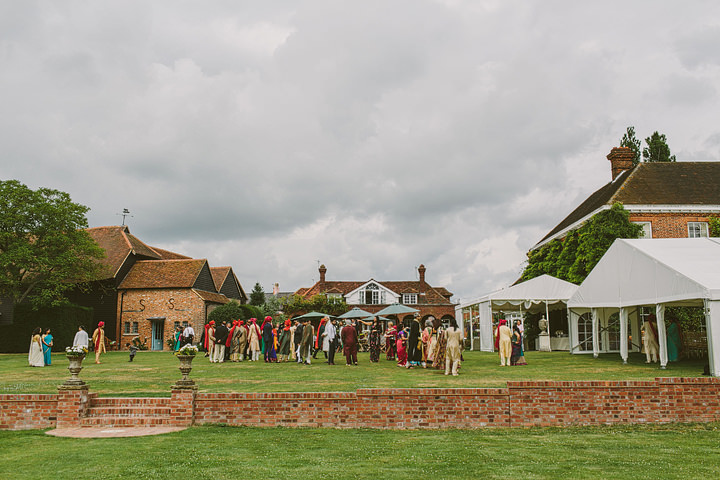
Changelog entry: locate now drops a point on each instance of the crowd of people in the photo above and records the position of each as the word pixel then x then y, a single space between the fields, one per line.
pixel 298 340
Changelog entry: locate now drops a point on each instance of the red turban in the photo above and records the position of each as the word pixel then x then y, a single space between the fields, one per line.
pixel 101 324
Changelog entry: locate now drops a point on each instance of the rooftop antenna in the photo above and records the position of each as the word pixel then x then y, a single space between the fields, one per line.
pixel 125 213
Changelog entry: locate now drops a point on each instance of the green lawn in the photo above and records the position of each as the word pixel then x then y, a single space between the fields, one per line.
pixel 152 373
pixel 638 452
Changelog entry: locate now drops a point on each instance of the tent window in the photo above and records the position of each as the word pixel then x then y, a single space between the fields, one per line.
pixel 697 229
pixel 585 331
pixel 613 332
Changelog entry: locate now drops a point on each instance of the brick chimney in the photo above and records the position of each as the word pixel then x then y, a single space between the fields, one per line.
pixel 621 159
pixel 322 271
pixel 421 271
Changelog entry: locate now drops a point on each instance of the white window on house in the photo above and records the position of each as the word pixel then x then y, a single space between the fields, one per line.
pixel 334 295
pixel 409 298
pixel 126 328
pixel 135 327
pixel 697 230
pixel 371 295
pixel 647 229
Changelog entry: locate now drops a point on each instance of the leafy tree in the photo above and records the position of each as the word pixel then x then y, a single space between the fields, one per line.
pixel 574 257
pixel 629 140
pixel 657 149
pixel 596 236
pixel 257 296
pixel 45 250
pixel 319 303
pixel 714 224
pixel 229 312
pixel 274 308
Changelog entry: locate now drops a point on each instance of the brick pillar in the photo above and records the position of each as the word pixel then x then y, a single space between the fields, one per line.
pixel 71 405
pixel 182 406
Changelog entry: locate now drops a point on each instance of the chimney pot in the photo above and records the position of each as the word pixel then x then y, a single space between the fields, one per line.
pixel 322 271
pixel 421 271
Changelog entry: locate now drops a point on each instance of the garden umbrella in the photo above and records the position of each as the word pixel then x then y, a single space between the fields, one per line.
pixel 356 313
pixel 396 309
pixel 314 315
pixel 384 319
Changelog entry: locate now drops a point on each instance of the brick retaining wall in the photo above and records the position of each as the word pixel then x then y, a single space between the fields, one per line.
pixel 520 404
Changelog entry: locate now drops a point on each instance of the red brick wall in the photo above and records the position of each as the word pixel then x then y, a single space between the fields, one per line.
pixel 669 225
pixel 176 305
pixel 25 412
pixel 520 404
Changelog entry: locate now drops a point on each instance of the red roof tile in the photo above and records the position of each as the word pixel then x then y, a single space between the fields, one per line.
pixel 212 297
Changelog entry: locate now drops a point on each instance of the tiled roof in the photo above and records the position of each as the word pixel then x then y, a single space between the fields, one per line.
pixel 219 274
pixel 163 274
pixel 168 255
pixel 657 183
pixel 118 243
pixel 432 295
pixel 212 297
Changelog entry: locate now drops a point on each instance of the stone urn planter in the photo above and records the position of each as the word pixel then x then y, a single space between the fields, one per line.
pixel 75 367
pixel 185 368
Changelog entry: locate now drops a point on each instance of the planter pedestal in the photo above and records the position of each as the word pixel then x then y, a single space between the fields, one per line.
pixel 185 367
pixel 74 382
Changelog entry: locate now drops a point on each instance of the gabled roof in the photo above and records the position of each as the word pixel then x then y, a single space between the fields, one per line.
pixel 227 283
pixel 212 297
pixel 657 184
pixel 432 295
pixel 163 274
pixel 168 255
pixel 118 243
pixel 219 274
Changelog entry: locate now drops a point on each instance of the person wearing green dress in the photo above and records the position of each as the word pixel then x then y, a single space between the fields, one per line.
pixel 674 340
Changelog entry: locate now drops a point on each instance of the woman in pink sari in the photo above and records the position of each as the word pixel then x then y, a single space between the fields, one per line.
pixel 400 344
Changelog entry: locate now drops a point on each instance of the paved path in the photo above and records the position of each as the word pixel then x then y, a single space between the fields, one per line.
pixel 111 432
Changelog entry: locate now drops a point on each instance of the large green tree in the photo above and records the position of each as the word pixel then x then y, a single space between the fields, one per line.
pixel 257 296
pixel 629 140
pixel 657 149
pixel 44 247
pixel 576 255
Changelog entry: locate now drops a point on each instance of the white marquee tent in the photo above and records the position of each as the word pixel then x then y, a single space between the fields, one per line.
pixel 540 294
pixel 659 272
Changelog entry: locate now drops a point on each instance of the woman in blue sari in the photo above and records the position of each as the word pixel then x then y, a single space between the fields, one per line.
pixel 674 341
pixel 47 343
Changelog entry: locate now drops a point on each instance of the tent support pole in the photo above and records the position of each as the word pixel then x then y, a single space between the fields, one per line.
pixel 596 333
pixel 662 334
pixel 624 334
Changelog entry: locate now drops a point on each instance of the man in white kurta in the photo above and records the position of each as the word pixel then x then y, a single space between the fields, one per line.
pixel 650 341
pixel 81 338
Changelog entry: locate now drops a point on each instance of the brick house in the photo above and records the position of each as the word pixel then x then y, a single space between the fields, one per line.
pixel 373 295
pixel 156 296
pixel 669 199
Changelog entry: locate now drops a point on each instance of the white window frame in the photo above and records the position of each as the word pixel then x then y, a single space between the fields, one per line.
pixel 647 229
pixel 698 230
pixel 374 291
pixel 410 298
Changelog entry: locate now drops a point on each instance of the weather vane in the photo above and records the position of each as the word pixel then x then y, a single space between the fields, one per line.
pixel 125 213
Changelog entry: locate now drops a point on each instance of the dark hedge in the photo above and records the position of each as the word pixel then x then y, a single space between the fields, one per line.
pixel 63 322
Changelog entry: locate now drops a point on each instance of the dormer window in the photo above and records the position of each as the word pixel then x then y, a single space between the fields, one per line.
pixel 410 298
pixel 372 295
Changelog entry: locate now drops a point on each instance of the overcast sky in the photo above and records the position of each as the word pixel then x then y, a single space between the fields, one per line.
pixel 371 136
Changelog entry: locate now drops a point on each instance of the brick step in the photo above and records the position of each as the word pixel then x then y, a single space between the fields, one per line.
pixel 124 421
pixel 127 411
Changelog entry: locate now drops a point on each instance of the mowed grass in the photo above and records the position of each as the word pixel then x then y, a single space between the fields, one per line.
pixel 152 373
pixel 637 452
